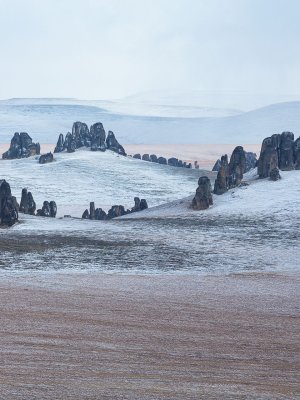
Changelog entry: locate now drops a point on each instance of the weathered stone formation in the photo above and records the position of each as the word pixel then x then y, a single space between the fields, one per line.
pixel 196 165
pixel 153 158
pixel 146 157
pixel 8 205
pixel 237 165
pixel 46 158
pixel 251 160
pixel 21 146
pixel 98 136
pixel 162 160
pixel 115 211
pixel 27 204
pixel 113 145
pixel 137 156
pixel 95 138
pixel 221 183
pixel 203 197
pixel 48 210
pixel 274 174
pixel 217 166
pixel 278 151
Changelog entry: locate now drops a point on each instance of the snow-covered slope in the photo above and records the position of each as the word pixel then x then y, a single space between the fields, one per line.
pixel 73 180
pixel 45 119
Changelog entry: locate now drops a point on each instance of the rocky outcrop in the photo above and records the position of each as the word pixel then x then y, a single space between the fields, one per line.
pixel 113 145
pixel 98 136
pixel 251 160
pixel 196 165
pixel 115 211
pixel 46 158
pixel 236 167
pixel 217 166
pixel 146 157
pixel 274 174
pixel 48 210
pixel 60 144
pixel 27 204
pixel 137 156
pixel 162 160
pixel 153 158
pixel 203 197
pixel 8 205
pixel 221 183
pixel 81 134
pixel 21 146
pixel 278 151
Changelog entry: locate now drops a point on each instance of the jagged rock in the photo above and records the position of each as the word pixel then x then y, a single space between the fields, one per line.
pixel 146 157
pixel 116 211
pixel 137 156
pixel 86 214
pixel 100 214
pixel 297 153
pixel 162 160
pixel 98 136
pixel 45 211
pixel 173 162
pixel 221 183
pixel 8 205
pixel 21 146
pixel 137 204
pixel 143 205
pixel 60 144
pixel 274 174
pixel 92 210
pixel 203 197
pixel 268 159
pixel 153 158
pixel 46 158
pixel 53 209
pixel 217 166
pixel 251 161
pixel 70 143
pixel 236 166
pixel 286 151
pixel 113 145
pixel 196 165
pixel 81 134
pixel 27 204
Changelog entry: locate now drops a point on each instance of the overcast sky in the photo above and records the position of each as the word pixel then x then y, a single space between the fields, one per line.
pixel 96 49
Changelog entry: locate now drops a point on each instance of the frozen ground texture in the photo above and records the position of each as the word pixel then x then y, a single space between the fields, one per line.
pixel 44 119
pixel 254 227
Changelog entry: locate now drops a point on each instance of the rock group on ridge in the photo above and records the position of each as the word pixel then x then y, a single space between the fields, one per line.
pixel 250 163
pixel 28 206
pixel 279 151
pixel 115 211
pixel 8 205
pixel 173 161
pixel 95 138
pixel 21 146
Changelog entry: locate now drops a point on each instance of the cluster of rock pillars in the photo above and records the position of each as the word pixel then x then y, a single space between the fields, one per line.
pixel 278 152
pixel 173 161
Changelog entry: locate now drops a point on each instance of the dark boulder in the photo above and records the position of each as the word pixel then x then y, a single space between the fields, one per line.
pixel 21 146
pixel 162 160
pixel 70 143
pixel 113 145
pixel 196 165
pixel 45 211
pixel 143 205
pixel 27 204
pixel 46 158
pixel 216 167
pixel 153 158
pixel 137 205
pixel 137 156
pixel 86 214
pixel 203 197
pixel 286 151
pixel 251 161
pixel 274 174
pixel 146 157
pixel 236 166
pixel 100 215
pixel 98 137
pixel 60 144
pixel 116 211
pixel 81 134
pixel 173 162
pixel 92 210
pixel 221 183
pixel 53 209
pixel 268 159
pixel 8 205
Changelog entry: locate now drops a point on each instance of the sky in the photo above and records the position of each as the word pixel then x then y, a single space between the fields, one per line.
pixel 108 49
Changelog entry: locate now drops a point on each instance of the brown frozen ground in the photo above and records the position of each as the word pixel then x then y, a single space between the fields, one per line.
pixel 100 336
pixel 205 154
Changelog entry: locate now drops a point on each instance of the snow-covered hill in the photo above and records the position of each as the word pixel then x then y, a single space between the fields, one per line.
pixel 44 119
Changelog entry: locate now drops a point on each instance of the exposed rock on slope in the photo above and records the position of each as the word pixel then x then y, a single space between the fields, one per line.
pixel 8 205
pixel 203 197
pixel 21 146
pixel 46 158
